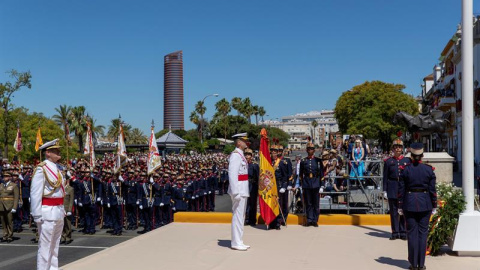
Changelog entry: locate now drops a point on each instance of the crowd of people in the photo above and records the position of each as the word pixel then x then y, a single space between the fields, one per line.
pixel 116 200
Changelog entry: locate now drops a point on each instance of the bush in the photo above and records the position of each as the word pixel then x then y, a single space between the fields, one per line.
pixel 228 148
pixel 451 203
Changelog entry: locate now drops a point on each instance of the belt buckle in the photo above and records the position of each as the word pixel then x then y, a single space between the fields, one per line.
pixel 311 175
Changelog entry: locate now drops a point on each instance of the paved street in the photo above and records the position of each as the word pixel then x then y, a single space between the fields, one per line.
pixel 21 253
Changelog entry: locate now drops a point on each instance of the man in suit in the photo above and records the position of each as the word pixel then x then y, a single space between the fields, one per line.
pixel 417 199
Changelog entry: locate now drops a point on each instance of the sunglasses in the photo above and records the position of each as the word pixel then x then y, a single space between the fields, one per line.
pixel 310 148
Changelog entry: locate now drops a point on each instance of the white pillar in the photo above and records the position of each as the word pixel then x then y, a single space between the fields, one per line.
pixel 467 237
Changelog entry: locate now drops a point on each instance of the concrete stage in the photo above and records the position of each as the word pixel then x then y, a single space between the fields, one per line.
pixel 207 246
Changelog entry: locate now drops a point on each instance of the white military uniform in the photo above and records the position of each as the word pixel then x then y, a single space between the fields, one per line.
pixel 48 212
pixel 238 190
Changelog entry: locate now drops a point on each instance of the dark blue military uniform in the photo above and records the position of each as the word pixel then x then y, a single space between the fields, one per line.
pixel 190 195
pixel 392 179
pixel 417 197
pixel 311 170
pixel 166 208
pixel 130 190
pixel 179 199
pixel 212 181
pixel 114 203
pixel 26 196
pixel 223 182
pixel 283 175
pixel 144 195
pixel 87 199
pixel 253 176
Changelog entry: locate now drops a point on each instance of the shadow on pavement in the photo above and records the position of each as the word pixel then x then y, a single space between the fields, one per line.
pixel 400 263
pixel 224 243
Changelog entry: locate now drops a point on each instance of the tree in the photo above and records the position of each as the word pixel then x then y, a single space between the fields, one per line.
pixel 114 128
pixel 6 91
pixel 237 104
pixel 223 108
pixel 97 130
pixel 314 125
pixel 194 118
pixel 369 108
pixel 255 111
pixel 261 112
pixel 137 137
pixel 78 124
pixel 201 109
pixel 247 109
pixel 62 118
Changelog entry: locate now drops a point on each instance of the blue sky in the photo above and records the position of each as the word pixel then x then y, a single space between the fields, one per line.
pixel 288 56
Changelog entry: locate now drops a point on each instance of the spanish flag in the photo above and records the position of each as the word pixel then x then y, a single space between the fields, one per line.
pixel 39 141
pixel 267 186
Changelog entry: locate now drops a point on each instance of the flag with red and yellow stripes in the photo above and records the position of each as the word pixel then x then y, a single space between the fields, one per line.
pixel 267 186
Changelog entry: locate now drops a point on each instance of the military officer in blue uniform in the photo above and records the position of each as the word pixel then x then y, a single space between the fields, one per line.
pixel 145 202
pixel 253 176
pixel 392 179
pixel 131 200
pixel 26 179
pixel 417 199
pixel 114 203
pixel 311 170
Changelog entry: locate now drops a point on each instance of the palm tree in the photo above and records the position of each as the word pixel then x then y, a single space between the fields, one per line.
pixel 62 118
pixel 261 112
pixel 78 124
pixel 201 109
pixel 223 107
pixel 247 109
pixel 137 137
pixel 97 130
pixel 255 112
pixel 314 125
pixel 114 128
pixel 237 104
pixel 194 118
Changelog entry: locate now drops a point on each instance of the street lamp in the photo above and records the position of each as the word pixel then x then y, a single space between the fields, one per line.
pixel 201 116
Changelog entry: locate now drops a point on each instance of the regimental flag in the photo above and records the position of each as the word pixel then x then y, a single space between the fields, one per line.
pixel 121 150
pixel 17 145
pixel 39 141
pixel 88 148
pixel 154 161
pixel 267 186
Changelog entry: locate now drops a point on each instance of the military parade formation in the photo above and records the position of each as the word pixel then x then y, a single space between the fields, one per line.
pixel 88 198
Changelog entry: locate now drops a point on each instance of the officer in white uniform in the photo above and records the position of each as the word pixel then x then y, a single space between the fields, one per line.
pixel 47 193
pixel 238 190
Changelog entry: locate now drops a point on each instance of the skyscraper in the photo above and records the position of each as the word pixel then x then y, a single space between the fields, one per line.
pixel 173 111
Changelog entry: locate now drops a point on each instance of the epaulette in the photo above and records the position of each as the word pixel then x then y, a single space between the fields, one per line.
pixel 41 164
pixel 235 151
pixel 387 159
pixel 433 168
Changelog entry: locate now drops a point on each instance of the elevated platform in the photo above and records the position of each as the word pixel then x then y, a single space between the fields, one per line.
pixel 325 219
pixel 207 246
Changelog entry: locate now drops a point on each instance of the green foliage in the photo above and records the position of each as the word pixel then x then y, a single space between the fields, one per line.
pixel 444 222
pixel 228 148
pixel 369 108
pixel 29 123
pixel 213 142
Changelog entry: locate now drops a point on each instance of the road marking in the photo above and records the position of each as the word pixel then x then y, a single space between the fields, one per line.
pixel 26 245
pixel 11 261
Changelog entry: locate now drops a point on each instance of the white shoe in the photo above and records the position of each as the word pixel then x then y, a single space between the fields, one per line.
pixel 247 246
pixel 240 248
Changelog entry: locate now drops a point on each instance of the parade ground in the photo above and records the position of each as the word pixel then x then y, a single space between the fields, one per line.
pixel 207 246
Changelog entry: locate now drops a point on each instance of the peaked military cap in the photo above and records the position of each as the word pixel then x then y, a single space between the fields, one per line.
pixel 50 145
pixel 241 136
pixel 397 142
pixel 416 148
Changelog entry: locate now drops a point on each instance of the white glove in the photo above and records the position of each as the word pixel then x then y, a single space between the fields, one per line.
pixel 98 199
pixel 120 178
pixel 209 192
pixel 20 177
pixel 434 211
pixel 28 199
pixel 123 201
pixel 400 212
pixel 91 175
pixel 282 190
pixel 69 174
pixel 38 219
pixel 385 195
pixel 320 190
pixel 141 207
pixel 108 205
pixel 80 204
pixel 138 202
pixel 289 188
pixel 13 211
pixel 151 180
pixel 173 208
pixel 204 193
pixel 161 204
pixel 69 214
pixel 75 201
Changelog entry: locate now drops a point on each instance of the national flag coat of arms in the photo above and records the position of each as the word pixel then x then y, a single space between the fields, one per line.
pixel 267 185
pixel 154 161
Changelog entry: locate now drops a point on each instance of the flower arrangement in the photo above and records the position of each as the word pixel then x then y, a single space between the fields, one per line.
pixel 451 203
